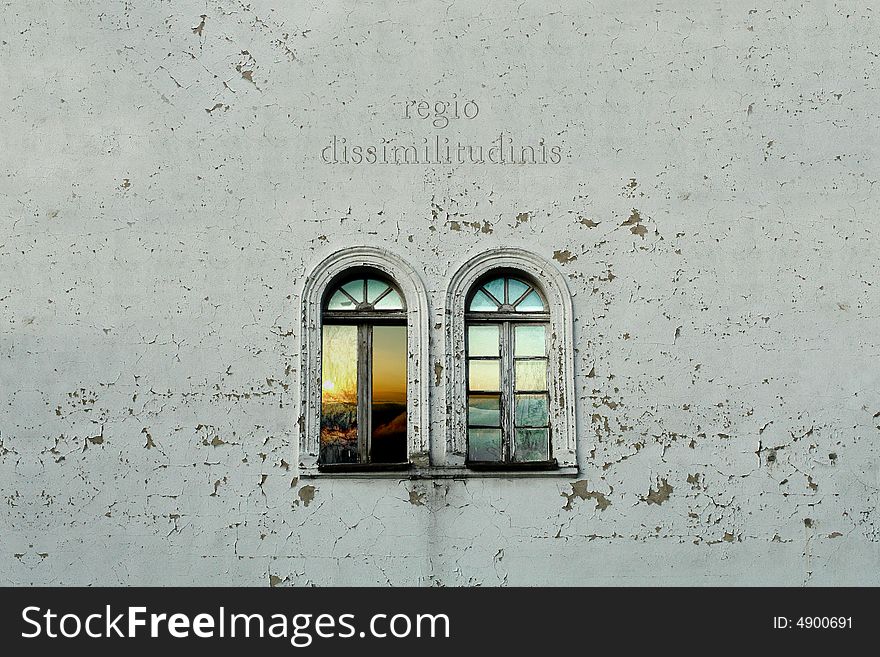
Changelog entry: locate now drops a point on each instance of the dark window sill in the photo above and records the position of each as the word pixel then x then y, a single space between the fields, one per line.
pixel 408 471
pixel 364 467
pixel 512 467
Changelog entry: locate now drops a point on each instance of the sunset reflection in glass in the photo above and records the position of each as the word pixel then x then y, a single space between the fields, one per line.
pixel 339 394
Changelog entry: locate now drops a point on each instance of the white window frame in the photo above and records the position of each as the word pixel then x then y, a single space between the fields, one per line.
pixel 417 317
pixel 560 351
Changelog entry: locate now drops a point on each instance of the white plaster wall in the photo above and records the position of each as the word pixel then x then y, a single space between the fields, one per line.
pixel 159 211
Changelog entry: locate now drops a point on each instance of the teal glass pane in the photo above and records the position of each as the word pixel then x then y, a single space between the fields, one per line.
pixel 390 301
pixel 482 303
pixel 531 445
pixel 529 340
pixel 531 411
pixel 530 375
pixel 496 289
pixel 532 303
pixel 374 289
pixel 484 410
pixel 340 302
pixel 515 289
pixel 484 444
pixel 484 375
pixel 483 340
pixel 355 289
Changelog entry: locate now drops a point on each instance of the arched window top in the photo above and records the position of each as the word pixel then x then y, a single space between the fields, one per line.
pixel 514 396
pixel 506 294
pixel 364 294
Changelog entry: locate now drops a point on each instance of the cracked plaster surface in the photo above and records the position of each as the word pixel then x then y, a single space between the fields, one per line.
pixel 162 196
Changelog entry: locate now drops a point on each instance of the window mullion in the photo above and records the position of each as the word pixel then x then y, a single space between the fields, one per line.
pixel 365 390
pixel 506 392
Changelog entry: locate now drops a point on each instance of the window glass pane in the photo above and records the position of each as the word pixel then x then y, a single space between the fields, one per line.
pixel 374 289
pixel 390 301
pixel 482 303
pixel 355 289
pixel 339 431
pixel 532 303
pixel 484 410
pixel 531 374
pixel 483 340
pixel 531 445
pixel 531 411
pixel 388 441
pixel 515 289
pixel 529 340
pixel 340 302
pixel 484 444
pixel 496 289
pixel 484 375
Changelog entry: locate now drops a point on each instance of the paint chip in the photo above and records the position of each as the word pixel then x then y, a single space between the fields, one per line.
pixel 564 256
pixel 579 491
pixel 660 495
pixel 201 26
pixel 306 494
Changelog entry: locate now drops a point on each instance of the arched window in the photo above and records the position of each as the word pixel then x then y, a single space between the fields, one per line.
pixel 363 371
pixel 387 317
pixel 510 365
pixel 508 398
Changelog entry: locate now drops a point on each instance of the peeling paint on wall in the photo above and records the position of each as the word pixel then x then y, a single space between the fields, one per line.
pixel 659 496
pixel 163 197
pixel 579 490
pixel 306 494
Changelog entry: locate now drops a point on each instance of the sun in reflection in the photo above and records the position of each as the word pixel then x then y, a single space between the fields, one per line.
pixel 339 364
